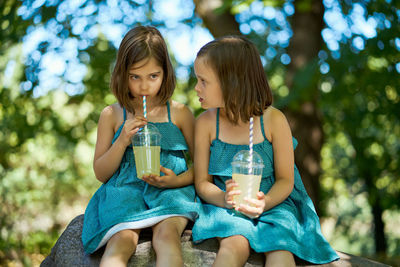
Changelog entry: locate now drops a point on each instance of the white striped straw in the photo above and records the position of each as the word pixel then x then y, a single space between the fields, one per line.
pixel 146 137
pixel 251 142
pixel 144 107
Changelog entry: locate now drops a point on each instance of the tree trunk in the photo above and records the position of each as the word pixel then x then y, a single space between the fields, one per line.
pixel 305 122
pixel 379 227
pixel 374 198
pixel 375 203
pixel 306 42
pixel 219 24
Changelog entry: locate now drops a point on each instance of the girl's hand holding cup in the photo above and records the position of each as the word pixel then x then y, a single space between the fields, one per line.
pixel 166 181
pixel 131 127
pixel 230 186
pixel 254 208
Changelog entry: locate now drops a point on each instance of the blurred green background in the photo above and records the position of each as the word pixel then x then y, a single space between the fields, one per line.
pixel 333 66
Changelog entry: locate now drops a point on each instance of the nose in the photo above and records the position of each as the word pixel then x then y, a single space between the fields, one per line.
pixel 144 85
pixel 196 87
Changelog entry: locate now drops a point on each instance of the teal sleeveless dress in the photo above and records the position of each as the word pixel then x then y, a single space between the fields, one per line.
pixel 293 225
pixel 127 202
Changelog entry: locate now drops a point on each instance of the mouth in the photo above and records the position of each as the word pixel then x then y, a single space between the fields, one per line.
pixel 201 99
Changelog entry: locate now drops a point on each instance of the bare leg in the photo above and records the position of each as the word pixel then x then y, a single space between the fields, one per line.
pixel 279 258
pixel 167 241
pixel 120 248
pixel 233 251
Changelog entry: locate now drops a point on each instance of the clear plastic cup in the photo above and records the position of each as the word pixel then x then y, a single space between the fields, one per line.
pixel 247 174
pixel 146 148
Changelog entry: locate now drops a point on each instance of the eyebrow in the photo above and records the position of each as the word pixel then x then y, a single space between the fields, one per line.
pixel 156 72
pixel 201 77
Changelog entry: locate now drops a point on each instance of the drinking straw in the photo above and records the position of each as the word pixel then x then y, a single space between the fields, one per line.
pixel 251 143
pixel 146 139
pixel 144 107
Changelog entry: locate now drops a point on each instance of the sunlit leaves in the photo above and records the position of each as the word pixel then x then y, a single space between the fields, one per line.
pixel 12 139
pixel 377 64
pixel 361 101
pixel 392 94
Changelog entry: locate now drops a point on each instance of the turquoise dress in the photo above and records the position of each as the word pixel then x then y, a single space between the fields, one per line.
pixel 127 202
pixel 293 225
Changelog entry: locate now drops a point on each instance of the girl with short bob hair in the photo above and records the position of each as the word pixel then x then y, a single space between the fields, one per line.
pixel 281 221
pixel 125 204
pixel 139 44
pixel 235 78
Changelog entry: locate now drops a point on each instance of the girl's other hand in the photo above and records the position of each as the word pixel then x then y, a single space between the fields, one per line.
pixel 230 192
pixel 131 127
pixel 166 181
pixel 255 207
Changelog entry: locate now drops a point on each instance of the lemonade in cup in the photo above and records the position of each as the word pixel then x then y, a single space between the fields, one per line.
pixel 246 172
pixel 146 148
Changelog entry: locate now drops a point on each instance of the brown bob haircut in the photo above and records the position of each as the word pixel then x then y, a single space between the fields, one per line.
pixel 237 64
pixel 142 42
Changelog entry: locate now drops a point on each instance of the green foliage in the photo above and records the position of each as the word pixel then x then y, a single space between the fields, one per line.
pixel 367 112
pixel 48 144
pixel 302 89
pixel 361 102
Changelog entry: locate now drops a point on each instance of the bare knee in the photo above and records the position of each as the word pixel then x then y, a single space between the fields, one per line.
pixel 235 248
pixel 233 251
pixel 167 241
pixel 237 244
pixel 122 243
pixel 169 231
pixel 279 258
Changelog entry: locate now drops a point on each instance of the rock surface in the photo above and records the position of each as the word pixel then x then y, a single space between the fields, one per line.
pixel 68 251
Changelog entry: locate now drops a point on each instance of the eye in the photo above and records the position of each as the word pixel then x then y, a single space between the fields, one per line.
pixel 133 77
pixel 154 76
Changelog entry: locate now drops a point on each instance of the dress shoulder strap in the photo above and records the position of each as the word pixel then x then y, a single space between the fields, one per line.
pixel 169 112
pixel 124 110
pixel 262 127
pixel 217 125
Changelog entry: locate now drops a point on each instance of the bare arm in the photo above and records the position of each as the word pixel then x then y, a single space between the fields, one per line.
pixel 205 187
pixel 107 156
pixel 282 144
pixel 185 121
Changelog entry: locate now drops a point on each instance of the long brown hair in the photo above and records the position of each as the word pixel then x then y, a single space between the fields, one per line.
pixel 237 63
pixel 142 42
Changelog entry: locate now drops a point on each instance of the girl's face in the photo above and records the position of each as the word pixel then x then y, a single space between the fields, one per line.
pixel 208 87
pixel 145 78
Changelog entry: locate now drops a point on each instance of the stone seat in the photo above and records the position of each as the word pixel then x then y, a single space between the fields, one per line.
pixel 68 251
